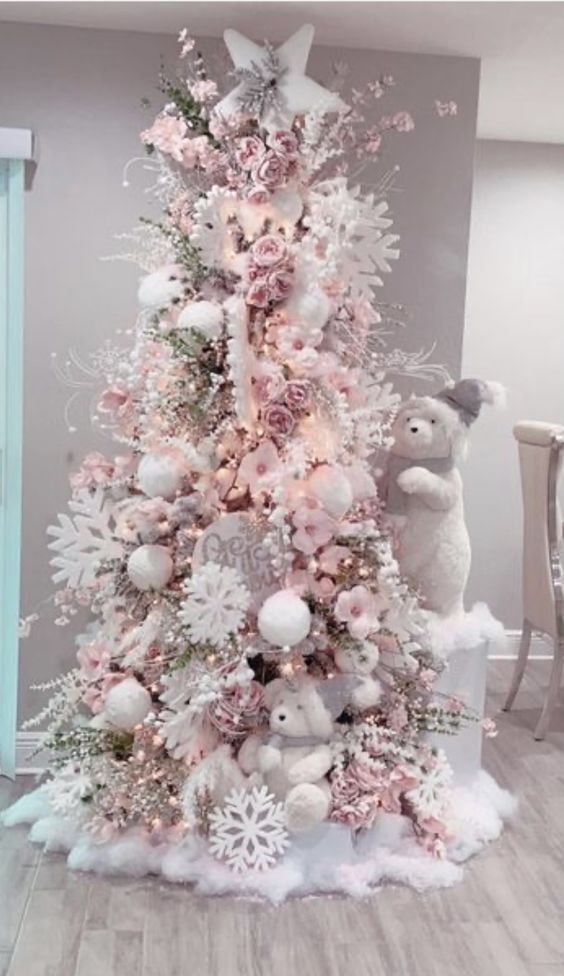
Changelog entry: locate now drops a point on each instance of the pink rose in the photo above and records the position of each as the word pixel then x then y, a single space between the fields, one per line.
pixel 258 294
pixel 258 194
pixel 280 284
pixel 268 381
pixel 249 151
pixel 271 170
pixel 269 250
pixel 278 419
pixel 297 396
pixel 284 143
pixel 94 470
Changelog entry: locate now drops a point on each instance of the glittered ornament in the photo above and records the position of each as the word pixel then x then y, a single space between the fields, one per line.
pixel 330 486
pixel 284 619
pixel 127 704
pixel 203 317
pixel 160 475
pixel 150 567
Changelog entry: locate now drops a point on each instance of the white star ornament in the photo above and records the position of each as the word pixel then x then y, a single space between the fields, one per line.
pixel 281 75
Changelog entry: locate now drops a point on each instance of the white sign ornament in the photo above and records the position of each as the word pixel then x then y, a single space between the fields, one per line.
pixel 237 541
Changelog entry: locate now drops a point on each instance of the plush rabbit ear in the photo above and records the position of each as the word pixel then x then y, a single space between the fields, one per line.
pixel 317 714
pixel 272 692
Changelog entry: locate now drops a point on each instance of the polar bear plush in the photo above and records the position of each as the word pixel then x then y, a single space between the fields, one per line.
pixel 295 759
pixel 423 490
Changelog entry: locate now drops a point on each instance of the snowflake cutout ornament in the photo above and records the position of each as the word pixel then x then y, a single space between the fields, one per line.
pixel 249 831
pixel 272 82
pixel 216 604
pixel 84 539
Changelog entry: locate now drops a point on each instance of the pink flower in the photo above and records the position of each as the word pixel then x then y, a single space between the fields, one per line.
pixel 94 470
pixel 332 557
pixel 258 194
pixel 278 419
pixel 93 659
pixel 490 728
pixel 269 250
pixel 203 90
pixel 353 383
pixel 403 122
pixel 283 142
pixel 356 608
pixel 271 170
pixel 258 294
pixel 298 344
pixel 248 151
pixel 181 213
pixel 297 396
pixel 268 381
pixel 258 468
pixel 280 283
pixel 118 404
pixel 168 134
pixel 314 528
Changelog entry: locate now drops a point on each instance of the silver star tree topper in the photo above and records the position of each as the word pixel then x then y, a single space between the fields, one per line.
pixel 272 82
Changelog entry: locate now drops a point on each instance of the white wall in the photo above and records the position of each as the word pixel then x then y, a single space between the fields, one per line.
pixel 80 91
pixel 515 333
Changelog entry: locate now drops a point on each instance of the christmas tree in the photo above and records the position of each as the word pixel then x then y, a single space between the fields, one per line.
pixel 235 554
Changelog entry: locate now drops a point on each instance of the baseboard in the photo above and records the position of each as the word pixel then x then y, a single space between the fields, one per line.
pixel 27 742
pixel 26 762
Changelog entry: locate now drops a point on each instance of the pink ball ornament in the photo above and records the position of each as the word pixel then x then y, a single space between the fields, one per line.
pixel 159 475
pixel 284 619
pixel 332 488
pixel 150 567
pixel 127 704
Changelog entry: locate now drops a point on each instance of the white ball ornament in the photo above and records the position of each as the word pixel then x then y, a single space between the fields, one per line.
pixel 127 704
pixel 204 317
pixel 150 567
pixel 332 488
pixel 159 475
pixel 160 288
pixel 284 619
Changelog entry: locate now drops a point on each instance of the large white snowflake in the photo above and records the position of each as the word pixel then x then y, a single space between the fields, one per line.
pixel 216 604
pixel 84 539
pixel 249 831
pixel 68 790
pixel 431 795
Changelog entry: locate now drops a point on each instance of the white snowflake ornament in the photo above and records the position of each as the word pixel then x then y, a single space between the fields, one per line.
pixel 249 832
pixel 84 539
pixel 273 84
pixel 216 604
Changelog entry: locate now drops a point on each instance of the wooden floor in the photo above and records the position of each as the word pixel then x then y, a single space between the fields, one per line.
pixel 505 919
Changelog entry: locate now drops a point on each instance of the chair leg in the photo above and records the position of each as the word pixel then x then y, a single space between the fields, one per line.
pixel 553 689
pixel 520 664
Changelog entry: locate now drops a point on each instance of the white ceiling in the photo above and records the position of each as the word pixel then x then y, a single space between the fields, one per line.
pixel 521 44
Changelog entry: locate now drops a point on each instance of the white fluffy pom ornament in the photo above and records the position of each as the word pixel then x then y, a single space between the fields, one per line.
pixel 127 704
pixel 332 488
pixel 159 475
pixel 284 619
pixel 161 288
pixel 150 567
pixel 203 317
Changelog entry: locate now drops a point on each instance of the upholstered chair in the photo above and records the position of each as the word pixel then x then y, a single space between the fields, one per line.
pixel 541 448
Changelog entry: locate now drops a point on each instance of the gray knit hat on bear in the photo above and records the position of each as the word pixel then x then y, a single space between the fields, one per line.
pixel 466 397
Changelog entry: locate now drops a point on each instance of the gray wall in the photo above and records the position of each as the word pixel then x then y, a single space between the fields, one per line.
pixel 80 91
pixel 515 333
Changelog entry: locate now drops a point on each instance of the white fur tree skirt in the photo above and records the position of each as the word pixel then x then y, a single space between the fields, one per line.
pixel 324 860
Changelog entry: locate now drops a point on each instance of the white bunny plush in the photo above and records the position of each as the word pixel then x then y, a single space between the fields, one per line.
pixel 424 490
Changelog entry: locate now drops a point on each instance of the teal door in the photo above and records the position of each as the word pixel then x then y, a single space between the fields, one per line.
pixel 11 328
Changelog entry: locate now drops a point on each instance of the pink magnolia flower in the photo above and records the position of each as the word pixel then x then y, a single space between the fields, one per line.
pixel 94 470
pixel 93 659
pixel 283 142
pixel 269 250
pixel 314 528
pixel 168 134
pixel 248 151
pixel 353 383
pixel 271 170
pixel 117 402
pixel 278 419
pixel 356 608
pixel 258 468
pixel 332 557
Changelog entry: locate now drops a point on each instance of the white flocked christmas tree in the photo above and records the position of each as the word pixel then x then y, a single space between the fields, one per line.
pixel 258 669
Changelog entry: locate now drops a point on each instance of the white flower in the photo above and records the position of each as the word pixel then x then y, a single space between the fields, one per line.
pixel 431 795
pixel 216 604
